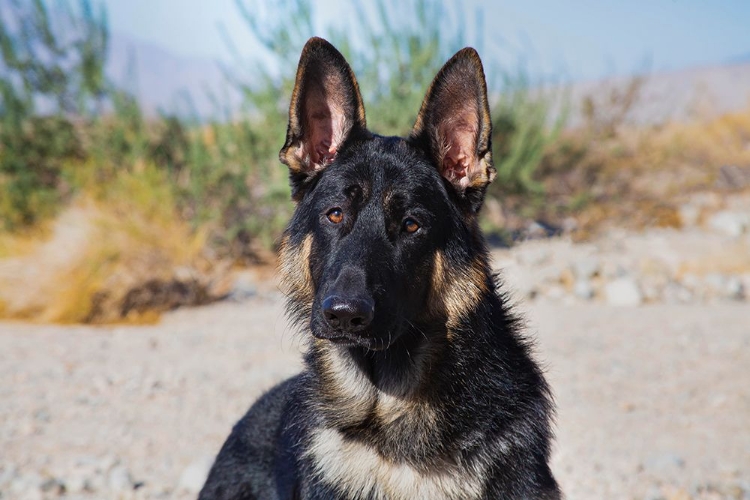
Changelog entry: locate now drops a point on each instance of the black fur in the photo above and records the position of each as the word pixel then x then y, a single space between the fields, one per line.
pixel 418 381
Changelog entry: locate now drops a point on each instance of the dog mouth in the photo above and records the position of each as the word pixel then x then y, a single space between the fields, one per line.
pixel 345 339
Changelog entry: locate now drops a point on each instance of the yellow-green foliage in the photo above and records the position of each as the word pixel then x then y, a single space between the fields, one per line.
pixel 116 236
pixel 130 201
pixel 638 176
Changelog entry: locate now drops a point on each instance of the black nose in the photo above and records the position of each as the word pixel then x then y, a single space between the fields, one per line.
pixel 348 314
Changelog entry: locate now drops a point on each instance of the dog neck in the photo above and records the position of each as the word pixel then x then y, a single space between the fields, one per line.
pixel 356 379
pixel 378 389
pixel 371 403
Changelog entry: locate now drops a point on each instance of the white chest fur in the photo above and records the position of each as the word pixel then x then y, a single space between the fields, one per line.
pixel 361 472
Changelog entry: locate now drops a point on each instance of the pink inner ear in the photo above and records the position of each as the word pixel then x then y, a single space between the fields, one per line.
pixel 459 159
pixel 323 149
pixel 327 127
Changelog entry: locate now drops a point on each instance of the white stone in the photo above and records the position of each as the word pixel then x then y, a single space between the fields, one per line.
pixel 119 479
pixel 586 268
pixel 734 288
pixel 664 461
pixel 623 292
pixel 555 292
pixel 674 293
pixel 729 223
pixel 715 282
pixel 77 483
pixel 583 290
pixel 689 215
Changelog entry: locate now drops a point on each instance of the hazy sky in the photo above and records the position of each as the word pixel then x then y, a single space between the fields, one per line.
pixel 578 38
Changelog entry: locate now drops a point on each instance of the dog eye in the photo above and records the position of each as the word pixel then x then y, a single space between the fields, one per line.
pixel 410 225
pixel 335 215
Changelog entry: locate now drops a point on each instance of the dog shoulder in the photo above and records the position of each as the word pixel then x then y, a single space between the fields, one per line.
pixel 247 464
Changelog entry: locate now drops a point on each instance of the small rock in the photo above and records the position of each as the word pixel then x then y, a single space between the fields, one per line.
pixel 583 290
pixel 689 215
pixel 119 479
pixel 555 292
pixel 77 483
pixel 52 485
pixel 195 474
pixel 569 224
pixel 716 282
pixel 726 287
pixel 244 287
pixel 26 486
pixel 537 230
pixel 691 281
pixel 97 482
pixel 664 461
pixel 623 292
pixel 674 293
pixel 734 288
pixel 651 293
pixel 729 223
pixel 42 415
pixel 586 268
pixel 745 281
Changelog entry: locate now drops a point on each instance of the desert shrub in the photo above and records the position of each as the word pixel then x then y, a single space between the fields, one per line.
pixel 52 73
pixel 71 140
pixel 225 171
pixel 397 49
pixel 523 132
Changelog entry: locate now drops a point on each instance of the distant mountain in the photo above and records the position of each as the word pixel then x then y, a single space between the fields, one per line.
pixel 702 91
pixel 163 81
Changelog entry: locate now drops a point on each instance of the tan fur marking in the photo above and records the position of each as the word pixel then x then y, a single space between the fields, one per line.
pixel 360 471
pixel 294 268
pixel 456 290
pixel 348 395
pixel 405 405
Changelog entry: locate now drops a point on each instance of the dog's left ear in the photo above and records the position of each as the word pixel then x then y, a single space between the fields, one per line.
pixel 455 129
pixel 326 109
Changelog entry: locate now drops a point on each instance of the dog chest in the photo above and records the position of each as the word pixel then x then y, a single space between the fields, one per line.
pixel 359 471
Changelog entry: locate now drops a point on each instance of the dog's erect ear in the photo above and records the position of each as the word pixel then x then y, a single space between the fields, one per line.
pixel 455 129
pixel 326 109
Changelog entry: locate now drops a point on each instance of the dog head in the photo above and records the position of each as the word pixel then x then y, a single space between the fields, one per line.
pixel 385 236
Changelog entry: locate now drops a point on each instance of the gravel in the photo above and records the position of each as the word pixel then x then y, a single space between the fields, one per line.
pixel 653 400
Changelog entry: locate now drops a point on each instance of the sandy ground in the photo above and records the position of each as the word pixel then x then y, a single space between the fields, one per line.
pixel 654 401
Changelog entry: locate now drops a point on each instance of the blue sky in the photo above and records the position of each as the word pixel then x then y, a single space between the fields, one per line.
pixel 580 39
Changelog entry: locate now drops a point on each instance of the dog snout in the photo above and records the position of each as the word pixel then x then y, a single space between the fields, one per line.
pixel 348 314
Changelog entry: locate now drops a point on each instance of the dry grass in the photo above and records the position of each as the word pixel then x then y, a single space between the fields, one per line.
pixel 638 177
pixel 120 253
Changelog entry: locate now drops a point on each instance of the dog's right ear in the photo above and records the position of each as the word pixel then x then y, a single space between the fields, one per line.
pixel 326 109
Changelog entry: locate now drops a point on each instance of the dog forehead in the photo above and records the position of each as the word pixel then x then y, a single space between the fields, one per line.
pixel 386 165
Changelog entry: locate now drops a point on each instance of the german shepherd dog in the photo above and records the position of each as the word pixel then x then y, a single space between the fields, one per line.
pixel 418 383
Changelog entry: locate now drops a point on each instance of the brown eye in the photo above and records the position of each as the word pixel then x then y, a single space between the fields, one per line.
pixel 410 226
pixel 335 215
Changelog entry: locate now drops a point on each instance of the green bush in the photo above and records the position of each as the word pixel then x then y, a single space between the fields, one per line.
pixel 59 68
pixel 65 128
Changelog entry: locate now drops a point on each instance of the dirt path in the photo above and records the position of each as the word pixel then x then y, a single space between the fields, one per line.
pixel 654 401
